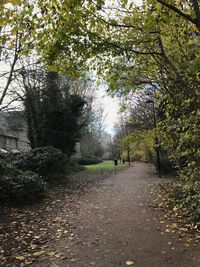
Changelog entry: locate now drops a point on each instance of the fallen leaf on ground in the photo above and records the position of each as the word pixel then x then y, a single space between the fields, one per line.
pixel 73 260
pixel 20 258
pixel 52 253
pixel 129 263
pixel 38 253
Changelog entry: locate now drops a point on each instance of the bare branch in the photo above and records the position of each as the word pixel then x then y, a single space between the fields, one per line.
pixel 9 80
pixel 9 103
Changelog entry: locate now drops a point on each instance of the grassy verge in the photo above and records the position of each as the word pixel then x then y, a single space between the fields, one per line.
pixel 106 165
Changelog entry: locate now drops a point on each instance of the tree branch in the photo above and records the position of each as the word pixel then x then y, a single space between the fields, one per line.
pixel 179 12
pixel 11 72
pixel 197 12
pixel 164 55
pixel 9 103
pixel 124 48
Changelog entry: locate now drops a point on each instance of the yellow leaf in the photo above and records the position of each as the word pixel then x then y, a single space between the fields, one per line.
pixel 20 258
pixel 129 263
pixel 52 253
pixel 38 253
pixel 174 225
pixel 63 257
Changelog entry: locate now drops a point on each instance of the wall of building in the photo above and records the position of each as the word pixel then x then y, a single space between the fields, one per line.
pixel 13 131
pixel 2 142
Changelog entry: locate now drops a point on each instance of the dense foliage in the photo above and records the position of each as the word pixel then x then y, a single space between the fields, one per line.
pixel 17 187
pixel 24 177
pixel 55 116
pixel 43 161
pixel 187 195
pixel 89 160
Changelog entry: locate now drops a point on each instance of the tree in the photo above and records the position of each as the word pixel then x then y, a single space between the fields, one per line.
pixel 91 140
pixel 121 140
pixel 54 115
pixel 16 43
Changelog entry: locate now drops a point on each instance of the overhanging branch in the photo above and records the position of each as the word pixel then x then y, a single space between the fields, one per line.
pixel 178 11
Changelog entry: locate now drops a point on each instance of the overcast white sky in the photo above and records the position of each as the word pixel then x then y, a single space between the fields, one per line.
pixel 111 108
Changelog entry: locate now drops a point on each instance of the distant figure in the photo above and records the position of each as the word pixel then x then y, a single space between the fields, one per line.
pixel 123 161
pixel 115 162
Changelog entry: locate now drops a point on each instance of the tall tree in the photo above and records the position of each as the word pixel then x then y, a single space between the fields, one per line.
pixel 16 43
pixel 55 117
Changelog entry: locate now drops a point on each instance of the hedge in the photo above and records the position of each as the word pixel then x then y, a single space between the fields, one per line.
pixel 89 160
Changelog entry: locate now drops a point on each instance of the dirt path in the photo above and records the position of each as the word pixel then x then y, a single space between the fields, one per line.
pixel 115 227
pixel 109 224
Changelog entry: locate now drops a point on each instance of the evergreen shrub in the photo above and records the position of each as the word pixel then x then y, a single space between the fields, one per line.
pixel 88 160
pixel 19 187
pixel 44 161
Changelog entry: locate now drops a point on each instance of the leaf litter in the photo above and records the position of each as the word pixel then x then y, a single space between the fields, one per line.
pixel 174 218
pixel 27 233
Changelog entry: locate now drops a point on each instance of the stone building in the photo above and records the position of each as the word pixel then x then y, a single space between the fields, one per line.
pixel 13 131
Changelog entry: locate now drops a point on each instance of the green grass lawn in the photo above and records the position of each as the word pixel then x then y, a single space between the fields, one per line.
pixel 105 165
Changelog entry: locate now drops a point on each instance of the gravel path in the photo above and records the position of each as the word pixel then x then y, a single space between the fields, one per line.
pixel 112 224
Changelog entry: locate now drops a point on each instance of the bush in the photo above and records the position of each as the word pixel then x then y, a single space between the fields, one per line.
pixel 187 194
pixel 44 161
pixel 7 168
pixel 166 166
pixel 89 160
pixel 25 187
pixel 73 166
pixel 21 178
